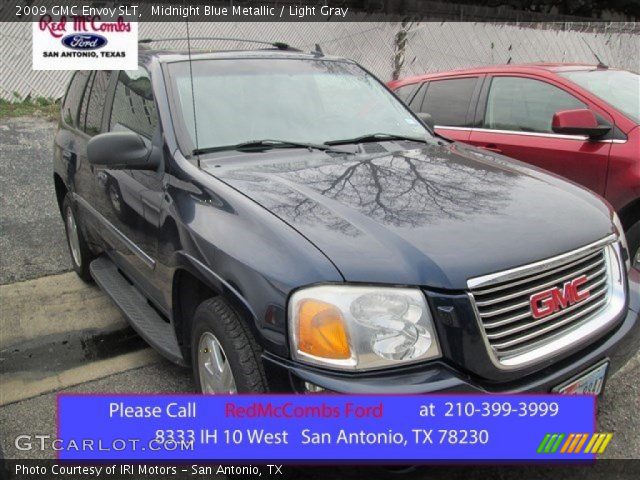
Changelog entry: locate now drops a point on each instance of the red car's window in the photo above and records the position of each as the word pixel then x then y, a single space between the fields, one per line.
pixel 524 104
pixel 405 92
pixel 447 101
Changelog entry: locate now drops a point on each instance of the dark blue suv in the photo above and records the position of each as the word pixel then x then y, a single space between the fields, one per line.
pixel 282 222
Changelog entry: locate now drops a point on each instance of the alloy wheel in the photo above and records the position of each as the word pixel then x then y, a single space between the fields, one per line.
pixel 74 239
pixel 214 367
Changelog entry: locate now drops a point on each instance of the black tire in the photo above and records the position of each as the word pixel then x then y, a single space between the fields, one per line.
pixel 84 256
pixel 633 240
pixel 240 347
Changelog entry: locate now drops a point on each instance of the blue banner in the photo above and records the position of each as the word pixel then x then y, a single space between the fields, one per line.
pixel 316 428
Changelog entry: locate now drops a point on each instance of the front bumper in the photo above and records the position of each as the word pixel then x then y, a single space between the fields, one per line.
pixel 618 346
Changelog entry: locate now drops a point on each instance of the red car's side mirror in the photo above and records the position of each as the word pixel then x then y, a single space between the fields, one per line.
pixel 578 122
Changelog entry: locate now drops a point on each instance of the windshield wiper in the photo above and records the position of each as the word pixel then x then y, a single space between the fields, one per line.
pixel 375 137
pixel 266 145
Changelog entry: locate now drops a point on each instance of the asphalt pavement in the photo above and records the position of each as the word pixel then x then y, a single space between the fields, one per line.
pixel 31 231
pixel 32 246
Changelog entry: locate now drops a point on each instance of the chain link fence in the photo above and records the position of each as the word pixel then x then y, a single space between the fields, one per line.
pixel 388 49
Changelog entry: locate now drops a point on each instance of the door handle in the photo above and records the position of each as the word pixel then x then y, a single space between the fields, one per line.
pixel 492 147
pixel 67 155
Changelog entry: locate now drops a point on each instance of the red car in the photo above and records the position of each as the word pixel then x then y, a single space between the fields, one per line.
pixel 579 121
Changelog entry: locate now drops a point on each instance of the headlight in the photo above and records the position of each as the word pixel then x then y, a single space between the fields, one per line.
pixel 360 328
pixel 623 240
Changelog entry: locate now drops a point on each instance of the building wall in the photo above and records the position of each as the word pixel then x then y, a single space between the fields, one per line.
pixel 429 46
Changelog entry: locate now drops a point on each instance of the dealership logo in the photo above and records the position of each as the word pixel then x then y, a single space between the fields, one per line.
pixel 555 299
pixel 84 41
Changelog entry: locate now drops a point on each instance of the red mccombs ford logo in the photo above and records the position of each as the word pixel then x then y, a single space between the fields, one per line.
pixel 555 299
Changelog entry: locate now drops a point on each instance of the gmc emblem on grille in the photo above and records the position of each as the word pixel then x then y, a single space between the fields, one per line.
pixel 554 299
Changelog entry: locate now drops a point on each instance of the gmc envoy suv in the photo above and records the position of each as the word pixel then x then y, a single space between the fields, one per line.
pixel 281 222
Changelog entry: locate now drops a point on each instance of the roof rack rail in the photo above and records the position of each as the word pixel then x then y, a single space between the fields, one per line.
pixel 278 45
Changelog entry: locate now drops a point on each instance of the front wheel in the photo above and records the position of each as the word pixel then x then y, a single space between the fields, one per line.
pixel 224 354
pixel 81 256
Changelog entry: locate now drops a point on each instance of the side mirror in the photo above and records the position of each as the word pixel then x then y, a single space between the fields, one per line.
pixel 578 122
pixel 122 150
pixel 427 119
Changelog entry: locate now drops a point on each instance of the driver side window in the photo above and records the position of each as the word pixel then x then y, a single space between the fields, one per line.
pixel 134 108
pixel 525 105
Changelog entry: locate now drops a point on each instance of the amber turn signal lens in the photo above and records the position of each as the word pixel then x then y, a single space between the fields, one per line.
pixel 321 331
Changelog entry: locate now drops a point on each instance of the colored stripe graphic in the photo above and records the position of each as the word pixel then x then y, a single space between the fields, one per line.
pixel 581 443
pixel 591 443
pixel 567 443
pixel 575 442
pixel 596 446
pixel 557 444
pixel 547 448
pixel 596 443
pixel 600 443
pixel 542 444
pixel 605 443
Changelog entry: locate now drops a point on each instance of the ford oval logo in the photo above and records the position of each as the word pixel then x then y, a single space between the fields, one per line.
pixel 84 41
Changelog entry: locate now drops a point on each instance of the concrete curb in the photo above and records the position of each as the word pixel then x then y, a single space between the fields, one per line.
pixel 53 305
pixel 43 320
pixel 27 385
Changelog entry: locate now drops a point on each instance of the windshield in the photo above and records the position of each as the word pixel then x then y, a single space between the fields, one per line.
pixel 619 88
pixel 306 101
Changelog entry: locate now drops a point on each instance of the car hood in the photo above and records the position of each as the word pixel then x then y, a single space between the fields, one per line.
pixel 432 216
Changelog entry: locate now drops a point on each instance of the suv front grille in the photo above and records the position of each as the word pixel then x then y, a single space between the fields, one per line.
pixel 503 303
